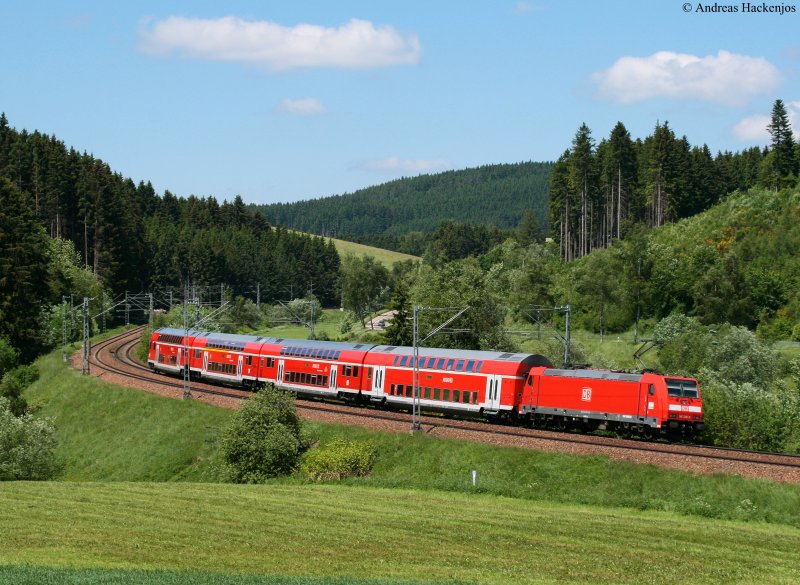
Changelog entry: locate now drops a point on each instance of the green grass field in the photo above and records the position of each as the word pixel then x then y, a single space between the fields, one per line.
pixel 385 257
pixel 353 532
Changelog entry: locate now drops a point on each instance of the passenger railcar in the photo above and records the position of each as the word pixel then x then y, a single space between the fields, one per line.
pixel 514 386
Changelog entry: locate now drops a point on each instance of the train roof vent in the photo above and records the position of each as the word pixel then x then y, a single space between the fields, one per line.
pixel 390 348
pixel 504 356
pixel 279 340
pixel 359 346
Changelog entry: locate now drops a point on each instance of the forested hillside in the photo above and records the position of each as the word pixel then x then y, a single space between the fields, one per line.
pixel 601 192
pixel 70 225
pixel 385 215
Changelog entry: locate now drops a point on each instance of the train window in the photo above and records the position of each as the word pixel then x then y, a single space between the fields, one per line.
pixel 152 345
pixel 460 366
pixel 682 388
pixel 446 395
pixel 440 364
pixel 478 367
pixel 427 392
pixel 449 365
pixel 248 360
pixel 355 370
pixel 456 395
pixel 369 373
pixel 270 362
pixel 437 393
pixel 674 388
pixel 403 361
pixel 391 390
pixel 396 358
pixel 197 353
pixel 651 390
pixel 470 365
pixel 467 395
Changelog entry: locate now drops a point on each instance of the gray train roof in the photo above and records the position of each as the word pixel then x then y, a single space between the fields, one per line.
pixel 470 354
pixel 593 374
pixel 223 337
pixel 235 339
pixel 337 345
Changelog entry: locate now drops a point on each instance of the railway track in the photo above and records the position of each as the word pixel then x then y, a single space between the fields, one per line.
pixel 114 359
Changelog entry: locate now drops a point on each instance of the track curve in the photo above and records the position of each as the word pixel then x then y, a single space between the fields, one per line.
pixel 113 360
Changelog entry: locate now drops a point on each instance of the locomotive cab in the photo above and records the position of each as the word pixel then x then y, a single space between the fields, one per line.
pixel 684 406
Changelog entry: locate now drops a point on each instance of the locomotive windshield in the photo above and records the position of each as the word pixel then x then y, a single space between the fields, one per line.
pixel 682 388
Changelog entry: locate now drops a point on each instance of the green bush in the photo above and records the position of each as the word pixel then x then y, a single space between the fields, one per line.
pixel 748 417
pixel 338 460
pixel 10 356
pixel 27 447
pixel 264 439
pixel 12 385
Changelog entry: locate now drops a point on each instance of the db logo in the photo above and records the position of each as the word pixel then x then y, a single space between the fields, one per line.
pixel 586 394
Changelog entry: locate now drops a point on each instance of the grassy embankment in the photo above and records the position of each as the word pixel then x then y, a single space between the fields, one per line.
pixel 533 517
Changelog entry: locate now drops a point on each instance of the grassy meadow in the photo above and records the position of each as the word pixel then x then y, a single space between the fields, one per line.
pixel 366 533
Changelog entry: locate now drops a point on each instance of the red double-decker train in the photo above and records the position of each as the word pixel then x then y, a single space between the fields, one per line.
pixel 514 386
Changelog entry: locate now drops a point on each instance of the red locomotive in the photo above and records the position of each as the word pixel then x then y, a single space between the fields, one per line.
pixel 515 386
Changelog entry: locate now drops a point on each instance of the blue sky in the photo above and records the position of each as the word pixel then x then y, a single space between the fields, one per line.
pixel 280 101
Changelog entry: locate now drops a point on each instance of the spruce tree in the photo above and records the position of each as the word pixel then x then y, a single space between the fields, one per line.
pixel 785 163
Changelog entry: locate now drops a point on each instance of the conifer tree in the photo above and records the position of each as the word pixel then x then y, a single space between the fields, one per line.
pixel 784 161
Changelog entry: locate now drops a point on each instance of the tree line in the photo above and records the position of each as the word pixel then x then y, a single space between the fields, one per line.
pixel 400 215
pixel 71 225
pixel 601 192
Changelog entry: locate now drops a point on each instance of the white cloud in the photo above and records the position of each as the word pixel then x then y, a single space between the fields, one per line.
pixel 523 7
pixel 754 128
pixel 303 107
pixel 355 45
pixel 726 78
pixel 407 165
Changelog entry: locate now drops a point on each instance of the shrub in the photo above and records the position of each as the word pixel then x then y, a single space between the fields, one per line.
pixel 27 447
pixel 338 460
pixel 264 439
pixel 12 385
pixel 8 356
pixel 748 417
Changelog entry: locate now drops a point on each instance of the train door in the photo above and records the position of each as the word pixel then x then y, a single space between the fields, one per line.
pixel 240 367
pixel 205 363
pixel 648 406
pixel 158 353
pixel 492 401
pixel 279 380
pixel 334 371
pixel 377 381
